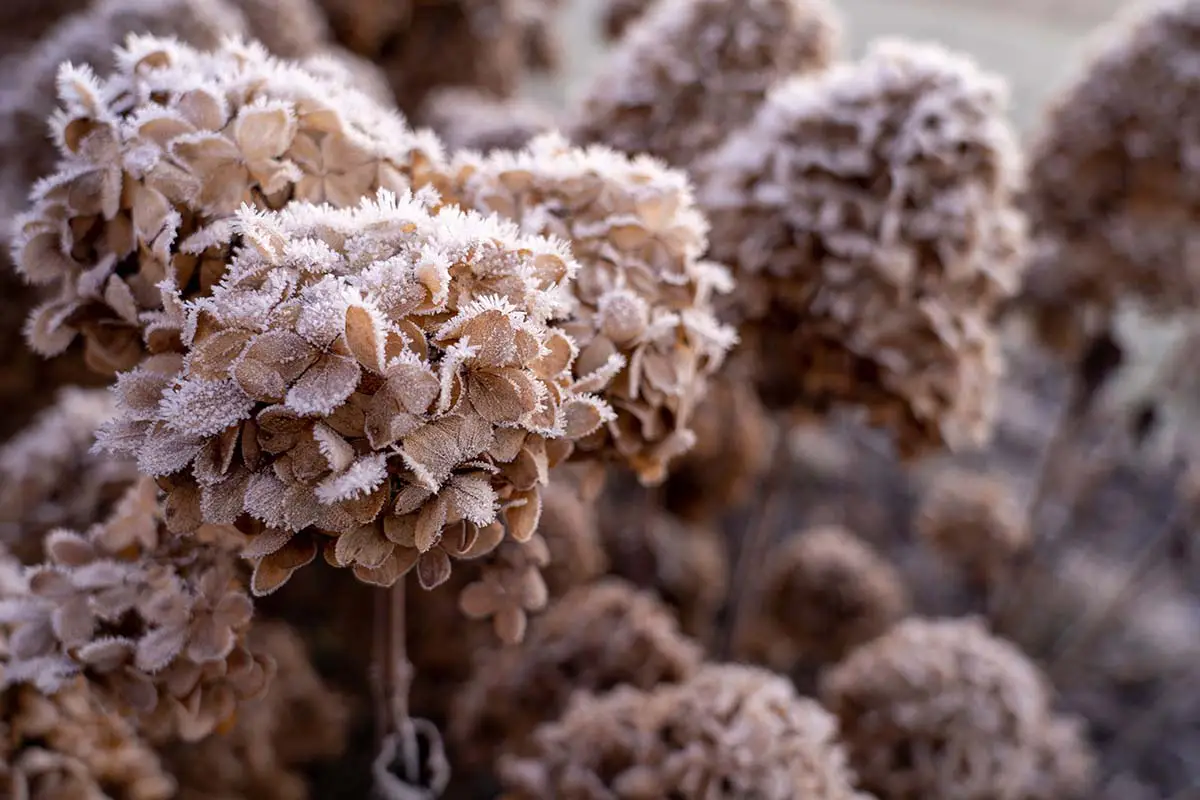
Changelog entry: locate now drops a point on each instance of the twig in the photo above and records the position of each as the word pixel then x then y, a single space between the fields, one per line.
pixel 753 547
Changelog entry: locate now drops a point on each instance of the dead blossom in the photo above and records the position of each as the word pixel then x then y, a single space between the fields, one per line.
pixel 380 383
pixel 644 324
pixel 975 521
pixel 156 623
pixel 869 213
pixel 50 478
pixel 825 591
pixel 155 159
pixel 729 732
pixel 1112 188
pixel 940 709
pixel 691 70
pixel 595 637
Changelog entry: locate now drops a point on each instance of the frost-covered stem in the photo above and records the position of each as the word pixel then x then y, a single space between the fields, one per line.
pixel 1074 641
pixel 753 547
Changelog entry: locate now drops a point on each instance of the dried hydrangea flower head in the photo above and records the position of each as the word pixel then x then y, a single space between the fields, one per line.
pixel 692 70
pixel 974 521
pixel 940 709
pixel 1113 192
pixel 468 119
pixel 88 37
pixel 426 44
pixel 869 214
pixel 50 478
pixel 66 745
pixel 734 440
pixel 730 732
pixel 824 593
pixel 155 622
pixel 594 638
pixel 154 161
pixel 686 564
pixel 382 382
pixel 645 326
pixel 300 721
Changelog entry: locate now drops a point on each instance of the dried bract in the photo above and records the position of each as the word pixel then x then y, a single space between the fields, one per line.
pixel 468 119
pixel 380 382
pixel 592 639
pixel 693 70
pixel 974 521
pixel 298 722
pixel 730 732
pixel 935 710
pixel 1114 197
pixel 824 593
pixel 869 214
pixel 50 478
pixel 156 158
pixel 156 623
pixel 647 335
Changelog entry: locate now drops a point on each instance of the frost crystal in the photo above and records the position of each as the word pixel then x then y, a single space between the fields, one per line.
pixel 156 623
pixel 157 157
pixel 381 381
pixel 691 71
pixel 645 327
pixel 869 212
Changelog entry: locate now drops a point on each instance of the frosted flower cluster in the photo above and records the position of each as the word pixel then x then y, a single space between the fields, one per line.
pixel 380 383
pixel 644 323
pixel 975 521
pixel 50 478
pixel 691 71
pixel 1113 189
pixel 595 637
pixel 941 709
pixel 869 213
pixel 155 622
pixel 825 592
pixel 157 157
pixel 728 733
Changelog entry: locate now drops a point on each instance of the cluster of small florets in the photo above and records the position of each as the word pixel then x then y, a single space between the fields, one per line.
pixel 690 70
pixel 825 592
pixel 50 478
pixel 934 710
pixel 728 732
pixel 647 335
pixel 868 212
pixel 595 637
pixel 380 383
pixel 1112 193
pixel 157 623
pixel 154 161
pixel 974 521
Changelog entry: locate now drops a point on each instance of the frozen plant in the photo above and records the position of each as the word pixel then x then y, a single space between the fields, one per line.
pixel 869 214
pixel 691 71
pixel 380 383
pixel 644 323
pixel 157 157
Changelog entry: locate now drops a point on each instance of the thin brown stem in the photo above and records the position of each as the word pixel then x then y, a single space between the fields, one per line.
pixel 392 671
pixel 753 547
